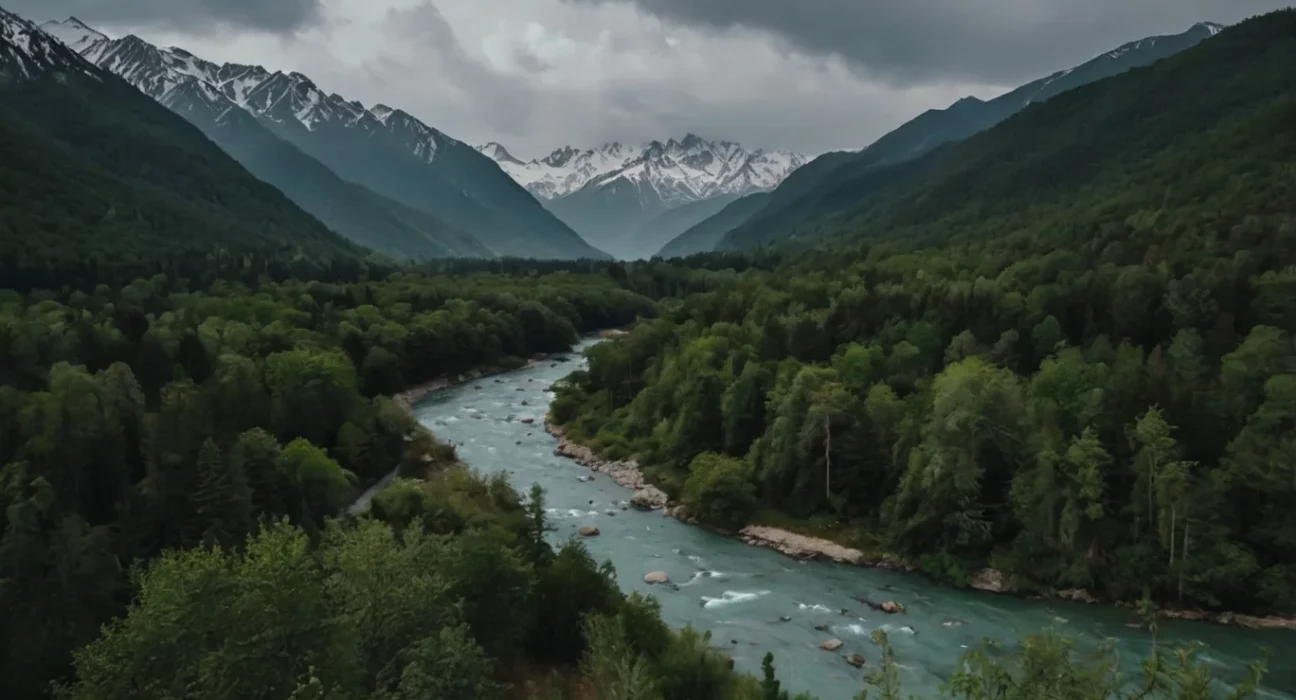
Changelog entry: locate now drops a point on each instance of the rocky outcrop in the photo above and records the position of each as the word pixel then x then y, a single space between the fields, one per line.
pixel 990 581
pixel 648 498
pixel 1077 595
pixel 624 472
pixel 799 546
pixel 656 577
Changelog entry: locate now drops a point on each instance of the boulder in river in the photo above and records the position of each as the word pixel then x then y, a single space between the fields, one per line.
pixel 528 420
pixel 821 628
pixel 891 607
pixel 856 660
pixel 588 531
pixel 990 581
pixel 831 645
pixel 656 577
pixel 648 498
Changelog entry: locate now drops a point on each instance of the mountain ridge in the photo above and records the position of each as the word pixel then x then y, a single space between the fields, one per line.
pixel 825 182
pixel 383 149
pixel 632 199
pixel 103 184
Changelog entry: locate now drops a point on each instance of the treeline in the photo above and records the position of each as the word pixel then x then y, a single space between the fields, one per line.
pixel 1106 408
pixel 1066 353
pixel 152 418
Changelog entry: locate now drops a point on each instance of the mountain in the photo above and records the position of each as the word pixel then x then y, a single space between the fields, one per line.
pixel 1115 156
pixel 703 236
pixel 384 150
pixel 836 180
pixel 99 183
pixel 353 211
pixel 619 197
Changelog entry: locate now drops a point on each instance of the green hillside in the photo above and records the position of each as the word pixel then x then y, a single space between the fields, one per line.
pixel 839 181
pixel 154 193
pixel 1063 349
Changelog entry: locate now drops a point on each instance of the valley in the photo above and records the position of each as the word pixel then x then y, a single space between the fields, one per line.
pixel 281 370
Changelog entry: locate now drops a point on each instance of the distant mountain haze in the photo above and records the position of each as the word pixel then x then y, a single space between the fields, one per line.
pixel 632 200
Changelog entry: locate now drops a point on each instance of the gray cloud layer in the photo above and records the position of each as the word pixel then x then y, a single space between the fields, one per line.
pixel 916 41
pixel 278 16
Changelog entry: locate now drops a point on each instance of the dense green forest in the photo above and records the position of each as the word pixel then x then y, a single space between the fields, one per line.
pixel 1071 359
pixel 152 417
pixel 196 379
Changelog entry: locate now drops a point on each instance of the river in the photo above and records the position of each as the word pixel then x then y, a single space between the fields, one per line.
pixel 743 594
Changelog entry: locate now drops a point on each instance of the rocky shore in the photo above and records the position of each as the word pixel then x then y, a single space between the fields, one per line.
pixel 625 473
pixel 992 581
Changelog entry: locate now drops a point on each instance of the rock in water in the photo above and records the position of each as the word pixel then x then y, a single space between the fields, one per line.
pixel 648 498
pixel 821 628
pixel 891 607
pixel 831 645
pixel 990 581
pixel 656 577
pixel 588 531
pixel 855 660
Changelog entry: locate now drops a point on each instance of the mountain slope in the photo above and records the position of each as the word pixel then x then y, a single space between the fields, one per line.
pixel 830 182
pixel 384 150
pixel 670 224
pixel 631 200
pixel 703 236
pixel 1128 146
pixel 362 216
pixel 104 180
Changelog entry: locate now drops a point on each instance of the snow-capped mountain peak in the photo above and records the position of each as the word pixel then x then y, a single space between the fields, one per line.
pixel 498 153
pixel 26 50
pixel 174 76
pixel 73 32
pixel 680 171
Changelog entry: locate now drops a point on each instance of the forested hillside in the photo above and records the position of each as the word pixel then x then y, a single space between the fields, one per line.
pixel 840 181
pixel 153 417
pixel 100 183
pixel 1068 354
pixel 196 379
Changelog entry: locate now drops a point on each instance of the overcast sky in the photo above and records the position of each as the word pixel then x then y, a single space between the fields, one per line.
pixel 808 75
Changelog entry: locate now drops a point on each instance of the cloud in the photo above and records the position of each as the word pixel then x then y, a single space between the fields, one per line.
pixel 921 41
pixel 275 16
pixel 539 74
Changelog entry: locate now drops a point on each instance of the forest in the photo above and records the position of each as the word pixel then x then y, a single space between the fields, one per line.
pixel 1071 364
pixel 175 459
pixel 1090 388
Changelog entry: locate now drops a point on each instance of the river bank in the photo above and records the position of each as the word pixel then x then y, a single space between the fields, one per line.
pixel 755 599
pixel 627 474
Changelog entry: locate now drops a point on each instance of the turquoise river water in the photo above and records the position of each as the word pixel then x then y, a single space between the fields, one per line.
pixel 743 594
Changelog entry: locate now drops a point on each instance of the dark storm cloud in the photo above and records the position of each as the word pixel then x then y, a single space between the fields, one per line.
pixel 990 41
pixel 278 16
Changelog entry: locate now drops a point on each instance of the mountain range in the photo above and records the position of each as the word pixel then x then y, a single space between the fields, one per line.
pixel 838 179
pixel 98 182
pixel 630 200
pixel 377 175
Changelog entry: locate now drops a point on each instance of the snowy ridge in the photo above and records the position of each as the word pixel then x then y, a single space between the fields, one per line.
pixel 688 170
pixel 177 79
pixel 27 51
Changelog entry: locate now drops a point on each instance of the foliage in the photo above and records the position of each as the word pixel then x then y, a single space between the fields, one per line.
pixel 1064 351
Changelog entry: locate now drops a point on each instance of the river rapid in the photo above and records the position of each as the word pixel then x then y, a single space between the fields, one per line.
pixel 755 600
